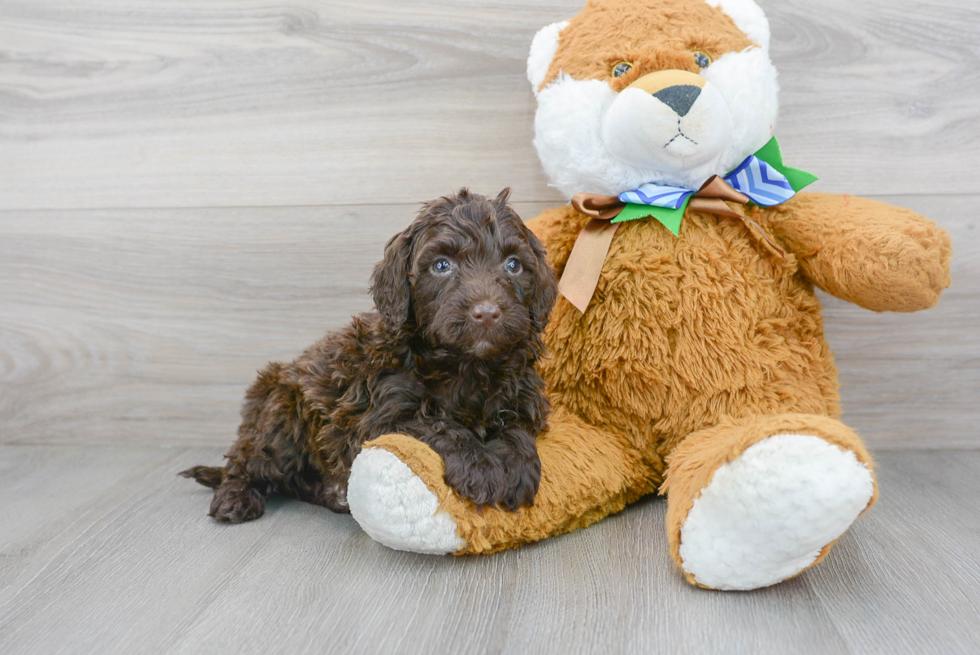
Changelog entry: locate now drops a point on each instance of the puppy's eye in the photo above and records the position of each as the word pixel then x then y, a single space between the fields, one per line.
pixel 702 59
pixel 442 266
pixel 621 68
pixel 513 265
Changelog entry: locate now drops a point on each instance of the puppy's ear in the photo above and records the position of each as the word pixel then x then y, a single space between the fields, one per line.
pixel 500 202
pixel 546 287
pixel 390 286
pixel 546 284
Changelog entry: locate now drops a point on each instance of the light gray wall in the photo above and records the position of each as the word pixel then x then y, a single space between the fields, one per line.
pixel 189 189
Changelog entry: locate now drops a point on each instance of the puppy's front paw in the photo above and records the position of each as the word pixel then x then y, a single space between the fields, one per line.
pixel 489 479
pixel 476 475
pixel 523 478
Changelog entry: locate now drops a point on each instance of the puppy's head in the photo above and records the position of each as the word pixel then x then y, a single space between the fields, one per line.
pixel 467 275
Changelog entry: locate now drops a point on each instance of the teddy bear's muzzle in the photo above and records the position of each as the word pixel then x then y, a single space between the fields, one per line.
pixel 667 120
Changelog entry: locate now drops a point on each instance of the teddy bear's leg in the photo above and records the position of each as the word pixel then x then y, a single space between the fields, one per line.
pixel 398 496
pixel 752 503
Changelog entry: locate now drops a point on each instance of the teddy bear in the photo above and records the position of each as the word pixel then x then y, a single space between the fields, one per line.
pixel 687 354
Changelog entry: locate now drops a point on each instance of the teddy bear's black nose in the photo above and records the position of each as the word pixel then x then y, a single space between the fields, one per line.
pixel 680 98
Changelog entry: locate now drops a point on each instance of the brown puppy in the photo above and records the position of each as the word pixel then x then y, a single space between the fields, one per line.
pixel 462 296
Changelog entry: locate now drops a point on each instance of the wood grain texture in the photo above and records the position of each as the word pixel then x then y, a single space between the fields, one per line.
pixel 145 326
pixel 130 563
pixel 136 103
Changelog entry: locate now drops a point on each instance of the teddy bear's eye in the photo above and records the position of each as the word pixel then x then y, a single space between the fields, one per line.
pixel 621 68
pixel 702 59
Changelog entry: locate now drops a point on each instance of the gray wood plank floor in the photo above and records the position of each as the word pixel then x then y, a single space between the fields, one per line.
pixel 103 550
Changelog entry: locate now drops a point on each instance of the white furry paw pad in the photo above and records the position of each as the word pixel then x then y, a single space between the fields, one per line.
pixel 395 508
pixel 766 515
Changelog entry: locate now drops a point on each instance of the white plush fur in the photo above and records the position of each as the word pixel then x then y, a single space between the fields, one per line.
pixel 765 516
pixel 644 132
pixel 591 139
pixel 395 508
pixel 543 48
pixel 747 81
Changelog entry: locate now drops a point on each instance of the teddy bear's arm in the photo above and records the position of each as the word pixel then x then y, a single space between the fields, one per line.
pixel 878 256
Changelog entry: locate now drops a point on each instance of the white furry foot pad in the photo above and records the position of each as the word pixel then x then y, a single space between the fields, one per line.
pixel 396 508
pixel 766 515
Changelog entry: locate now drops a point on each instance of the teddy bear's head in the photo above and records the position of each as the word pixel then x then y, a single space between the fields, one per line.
pixel 663 91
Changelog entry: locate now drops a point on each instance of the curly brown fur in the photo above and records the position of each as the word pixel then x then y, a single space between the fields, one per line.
pixel 448 358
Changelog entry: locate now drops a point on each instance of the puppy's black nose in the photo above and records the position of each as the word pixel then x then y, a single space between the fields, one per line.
pixel 485 313
pixel 680 98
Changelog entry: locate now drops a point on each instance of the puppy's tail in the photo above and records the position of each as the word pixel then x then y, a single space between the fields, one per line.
pixel 209 476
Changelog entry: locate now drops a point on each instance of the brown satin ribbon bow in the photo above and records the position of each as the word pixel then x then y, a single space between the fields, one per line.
pixel 584 265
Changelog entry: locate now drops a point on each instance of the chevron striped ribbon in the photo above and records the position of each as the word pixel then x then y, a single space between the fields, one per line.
pixel 670 197
pixel 762 183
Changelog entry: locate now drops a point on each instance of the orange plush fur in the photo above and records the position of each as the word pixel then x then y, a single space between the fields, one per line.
pixel 606 33
pixel 694 347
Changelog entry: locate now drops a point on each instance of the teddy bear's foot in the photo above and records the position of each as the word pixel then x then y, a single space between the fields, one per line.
pixel 768 515
pixel 774 504
pixel 396 508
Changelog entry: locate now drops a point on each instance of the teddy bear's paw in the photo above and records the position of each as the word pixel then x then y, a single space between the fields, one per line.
pixel 396 508
pixel 767 515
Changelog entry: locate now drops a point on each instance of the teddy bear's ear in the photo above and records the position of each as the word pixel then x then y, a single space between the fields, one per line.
pixel 749 18
pixel 543 48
